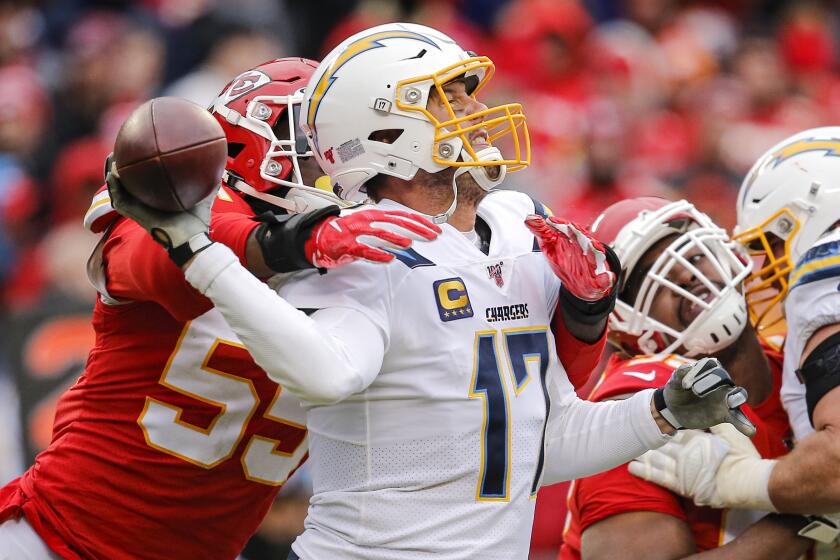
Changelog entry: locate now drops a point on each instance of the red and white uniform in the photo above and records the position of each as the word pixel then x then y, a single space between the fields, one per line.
pixel 173 443
pixel 616 491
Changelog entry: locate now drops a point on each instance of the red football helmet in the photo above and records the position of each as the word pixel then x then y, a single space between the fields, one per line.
pixel 631 227
pixel 258 111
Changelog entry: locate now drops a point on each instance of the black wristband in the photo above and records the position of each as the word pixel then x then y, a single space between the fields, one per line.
pixel 181 254
pixel 282 237
pixel 662 407
pixel 592 312
pixel 821 372
pixel 659 399
pixel 795 523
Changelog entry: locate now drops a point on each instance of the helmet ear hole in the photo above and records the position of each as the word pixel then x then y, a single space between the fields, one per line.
pixel 281 127
pixel 386 136
pixel 234 149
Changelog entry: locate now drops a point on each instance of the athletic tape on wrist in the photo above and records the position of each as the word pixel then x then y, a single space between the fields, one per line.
pixel 181 254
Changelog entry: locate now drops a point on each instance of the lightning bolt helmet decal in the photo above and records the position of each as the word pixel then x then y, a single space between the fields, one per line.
pixel 363 44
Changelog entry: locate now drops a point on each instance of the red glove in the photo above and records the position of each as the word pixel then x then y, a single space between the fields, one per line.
pixel 340 240
pixel 577 258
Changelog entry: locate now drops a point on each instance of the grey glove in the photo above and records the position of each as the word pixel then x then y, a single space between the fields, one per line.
pixel 182 234
pixel 701 395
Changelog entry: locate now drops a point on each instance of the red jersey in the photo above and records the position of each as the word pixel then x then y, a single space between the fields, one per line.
pixel 172 443
pixel 616 491
pixel 771 411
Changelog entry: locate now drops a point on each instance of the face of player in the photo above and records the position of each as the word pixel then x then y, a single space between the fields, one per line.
pixel 463 104
pixel 669 307
pixel 758 254
pixel 309 169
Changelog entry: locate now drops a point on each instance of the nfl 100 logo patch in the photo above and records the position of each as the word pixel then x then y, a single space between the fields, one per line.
pixel 495 273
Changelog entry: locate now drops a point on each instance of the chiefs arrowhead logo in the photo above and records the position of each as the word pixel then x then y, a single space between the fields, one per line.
pixel 245 82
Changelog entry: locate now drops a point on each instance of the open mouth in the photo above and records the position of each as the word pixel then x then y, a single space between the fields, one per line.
pixel 689 309
pixel 479 140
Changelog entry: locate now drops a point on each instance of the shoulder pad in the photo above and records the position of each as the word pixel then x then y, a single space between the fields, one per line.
pixel 100 214
pixel 819 262
pixel 503 200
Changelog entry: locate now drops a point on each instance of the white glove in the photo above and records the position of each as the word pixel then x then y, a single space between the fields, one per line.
pixel 701 395
pixel 182 234
pixel 721 470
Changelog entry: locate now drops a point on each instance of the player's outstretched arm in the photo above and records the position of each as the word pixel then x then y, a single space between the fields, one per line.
pixel 584 438
pixel 807 480
pixel 290 346
pixel 668 538
pixel 722 469
pixel 321 359
pixel 702 395
pixel 284 243
pixel 733 475
pixel 323 239
pixel 600 436
pixel 774 536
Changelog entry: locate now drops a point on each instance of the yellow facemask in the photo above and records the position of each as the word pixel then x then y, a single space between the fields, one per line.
pixel 499 121
pixel 768 284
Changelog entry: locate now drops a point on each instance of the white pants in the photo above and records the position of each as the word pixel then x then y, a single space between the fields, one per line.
pixel 19 541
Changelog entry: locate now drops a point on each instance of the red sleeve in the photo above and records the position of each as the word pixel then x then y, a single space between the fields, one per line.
pixel 579 358
pixel 768 443
pixel 617 491
pixel 771 410
pixel 626 376
pixel 138 269
pixel 232 223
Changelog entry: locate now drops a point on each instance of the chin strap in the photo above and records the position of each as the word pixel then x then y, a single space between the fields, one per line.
pixel 293 204
pixel 479 173
pixel 444 217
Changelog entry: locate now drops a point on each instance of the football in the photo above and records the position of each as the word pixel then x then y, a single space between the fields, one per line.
pixel 170 153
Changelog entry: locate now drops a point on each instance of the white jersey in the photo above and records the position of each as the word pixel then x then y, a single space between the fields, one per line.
pixel 429 380
pixel 812 302
pixel 442 453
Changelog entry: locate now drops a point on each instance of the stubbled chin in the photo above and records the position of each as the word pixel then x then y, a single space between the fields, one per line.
pixel 689 312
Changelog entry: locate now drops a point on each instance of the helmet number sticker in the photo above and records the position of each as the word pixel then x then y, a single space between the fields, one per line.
pixel 381 104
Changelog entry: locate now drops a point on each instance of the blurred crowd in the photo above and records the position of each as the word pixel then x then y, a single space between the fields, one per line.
pixel 623 97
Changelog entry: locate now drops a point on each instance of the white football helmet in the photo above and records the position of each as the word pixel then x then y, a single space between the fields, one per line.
pixel 792 193
pixel 631 227
pixel 379 80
